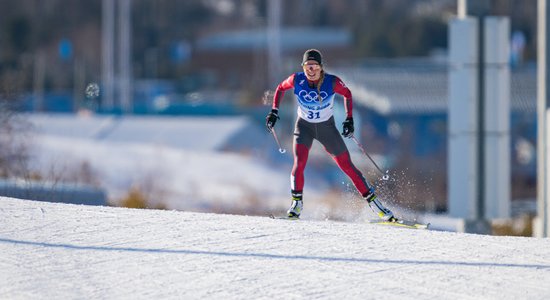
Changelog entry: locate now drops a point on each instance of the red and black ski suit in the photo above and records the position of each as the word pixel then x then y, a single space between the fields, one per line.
pixel 316 121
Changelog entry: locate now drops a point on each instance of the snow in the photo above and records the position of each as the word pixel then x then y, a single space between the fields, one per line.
pixel 64 251
pixel 185 178
pixel 182 158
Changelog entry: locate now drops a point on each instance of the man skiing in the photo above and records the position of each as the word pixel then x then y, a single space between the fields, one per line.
pixel 314 90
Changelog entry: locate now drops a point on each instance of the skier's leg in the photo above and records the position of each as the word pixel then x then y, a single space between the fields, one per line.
pixel 331 139
pixel 301 153
pixel 344 162
pixel 335 146
pixel 303 140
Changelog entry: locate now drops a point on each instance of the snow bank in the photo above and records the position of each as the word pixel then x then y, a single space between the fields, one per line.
pixel 180 158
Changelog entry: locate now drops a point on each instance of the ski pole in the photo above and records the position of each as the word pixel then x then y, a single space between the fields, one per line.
pixel 385 176
pixel 281 149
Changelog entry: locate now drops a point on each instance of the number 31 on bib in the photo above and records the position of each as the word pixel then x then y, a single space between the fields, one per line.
pixel 313 115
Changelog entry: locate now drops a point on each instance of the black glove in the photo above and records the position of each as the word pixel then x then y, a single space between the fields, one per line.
pixel 271 119
pixel 347 130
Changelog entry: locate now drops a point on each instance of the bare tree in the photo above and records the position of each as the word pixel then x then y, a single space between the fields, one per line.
pixel 14 151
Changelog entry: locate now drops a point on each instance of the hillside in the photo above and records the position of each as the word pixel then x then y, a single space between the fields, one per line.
pixel 62 251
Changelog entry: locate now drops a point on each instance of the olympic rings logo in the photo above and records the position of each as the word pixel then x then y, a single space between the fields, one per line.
pixel 312 95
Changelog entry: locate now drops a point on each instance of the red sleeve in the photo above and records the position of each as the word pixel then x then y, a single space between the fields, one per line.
pixel 287 84
pixel 342 89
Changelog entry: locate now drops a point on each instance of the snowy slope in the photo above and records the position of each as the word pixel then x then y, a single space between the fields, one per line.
pixel 61 251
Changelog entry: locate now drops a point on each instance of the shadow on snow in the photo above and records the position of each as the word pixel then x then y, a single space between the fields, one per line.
pixel 270 256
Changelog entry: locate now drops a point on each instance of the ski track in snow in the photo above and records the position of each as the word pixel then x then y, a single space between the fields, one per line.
pixel 62 251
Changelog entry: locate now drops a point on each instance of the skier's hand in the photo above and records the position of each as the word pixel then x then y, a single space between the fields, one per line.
pixel 271 119
pixel 348 129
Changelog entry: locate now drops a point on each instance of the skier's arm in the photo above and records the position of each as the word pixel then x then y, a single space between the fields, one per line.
pixel 342 89
pixel 287 84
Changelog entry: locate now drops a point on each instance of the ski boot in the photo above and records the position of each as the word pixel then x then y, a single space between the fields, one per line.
pixel 296 208
pixel 379 209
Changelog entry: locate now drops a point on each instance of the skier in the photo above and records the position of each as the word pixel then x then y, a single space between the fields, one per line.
pixel 314 90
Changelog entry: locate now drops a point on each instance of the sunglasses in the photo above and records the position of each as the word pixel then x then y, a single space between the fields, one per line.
pixel 313 66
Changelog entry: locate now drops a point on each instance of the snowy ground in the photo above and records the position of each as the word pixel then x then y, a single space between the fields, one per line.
pixel 62 251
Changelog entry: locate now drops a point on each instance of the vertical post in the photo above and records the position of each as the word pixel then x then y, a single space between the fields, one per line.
pixel 478 117
pixel 274 41
pixel 462 9
pixel 79 78
pixel 463 111
pixel 125 56
pixel 38 80
pixel 496 130
pixel 480 203
pixel 107 62
pixel 542 226
pixel 480 224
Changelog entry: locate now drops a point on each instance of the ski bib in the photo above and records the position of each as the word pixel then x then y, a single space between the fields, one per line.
pixel 314 105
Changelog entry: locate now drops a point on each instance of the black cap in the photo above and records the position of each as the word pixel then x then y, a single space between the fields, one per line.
pixel 312 54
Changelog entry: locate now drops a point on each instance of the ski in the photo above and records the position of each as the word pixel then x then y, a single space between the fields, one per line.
pixel 272 216
pixel 399 223
pixel 402 223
